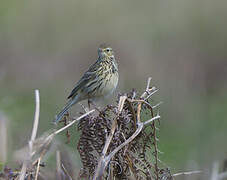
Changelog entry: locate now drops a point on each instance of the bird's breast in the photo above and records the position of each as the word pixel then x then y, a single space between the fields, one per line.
pixel 108 85
pixel 111 84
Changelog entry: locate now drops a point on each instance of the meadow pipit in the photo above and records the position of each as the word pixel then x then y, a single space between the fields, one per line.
pixel 99 80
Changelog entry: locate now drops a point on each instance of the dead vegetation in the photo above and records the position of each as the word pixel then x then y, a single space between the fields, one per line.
pixel 117 142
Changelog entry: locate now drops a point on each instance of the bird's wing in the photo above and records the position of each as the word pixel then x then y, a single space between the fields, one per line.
pixel 88 75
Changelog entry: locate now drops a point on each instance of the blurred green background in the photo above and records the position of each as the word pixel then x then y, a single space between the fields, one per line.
pixel 47 45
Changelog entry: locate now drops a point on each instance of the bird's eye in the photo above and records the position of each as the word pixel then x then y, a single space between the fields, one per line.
pixel 107 50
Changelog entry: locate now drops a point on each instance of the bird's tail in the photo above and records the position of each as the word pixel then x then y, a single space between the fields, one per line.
pixel 64 110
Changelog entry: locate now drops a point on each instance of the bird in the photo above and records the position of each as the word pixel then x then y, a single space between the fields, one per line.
pixel 99 81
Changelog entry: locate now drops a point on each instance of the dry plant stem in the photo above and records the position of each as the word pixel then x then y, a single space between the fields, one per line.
pixel 43 152
pixel 37 169
pixel 138 130
pixel 105 160
pixel 187 173
pixel 58 165
pixel 147 88
pixel 36 118
pixel 65 171
pixel 155 152
pixel 153 124
pixel 142 97
pixel 101 164
pixel 138 112
pixel 23 171
pixel 141 101
pixel 49 139
pixel 129 101
pixel 34 132
pixel 71 123
pixel 156 90
pixel 157 105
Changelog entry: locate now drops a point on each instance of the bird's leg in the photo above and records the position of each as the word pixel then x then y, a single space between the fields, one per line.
pixel 98 109
pixel 65 118
pixel 95 106
pixel 89 104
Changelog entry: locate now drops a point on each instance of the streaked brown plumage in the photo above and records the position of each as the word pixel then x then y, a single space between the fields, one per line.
pixel 99 80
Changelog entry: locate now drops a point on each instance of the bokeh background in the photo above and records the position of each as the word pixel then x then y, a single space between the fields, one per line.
pixel 47 45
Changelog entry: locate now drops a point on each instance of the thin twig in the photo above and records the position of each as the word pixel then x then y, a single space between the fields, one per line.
pixel 142 97
pixel 147 88
pixel 75 120
pixel 37 169
pixel 152 93
pixel 152 119
pixel 138 130
pixel 157 105
pixel 65 171
pixel 186 173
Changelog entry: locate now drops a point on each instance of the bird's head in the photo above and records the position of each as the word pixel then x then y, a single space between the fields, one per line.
pixel 105 51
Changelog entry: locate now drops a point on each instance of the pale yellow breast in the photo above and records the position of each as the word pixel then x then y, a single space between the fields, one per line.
pixel 109 85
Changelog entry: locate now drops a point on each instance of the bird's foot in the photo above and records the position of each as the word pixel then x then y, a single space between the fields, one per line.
pixel 90 102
